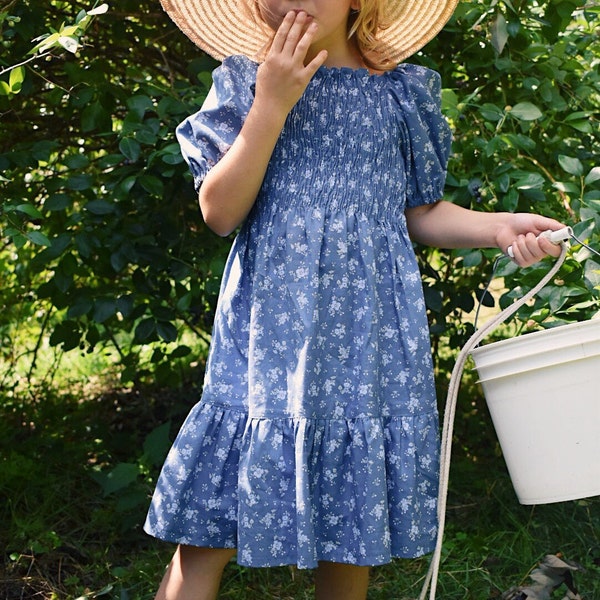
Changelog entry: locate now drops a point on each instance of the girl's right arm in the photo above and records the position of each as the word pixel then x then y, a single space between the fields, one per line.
pixel 229 190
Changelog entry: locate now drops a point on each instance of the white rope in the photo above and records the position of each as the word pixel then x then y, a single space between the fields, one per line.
pixel 450 411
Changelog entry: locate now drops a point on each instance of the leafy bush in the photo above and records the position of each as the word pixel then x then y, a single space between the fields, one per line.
pixel 522 93
pixel 102 241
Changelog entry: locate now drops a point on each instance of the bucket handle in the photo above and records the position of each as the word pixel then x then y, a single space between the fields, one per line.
pixel 450 412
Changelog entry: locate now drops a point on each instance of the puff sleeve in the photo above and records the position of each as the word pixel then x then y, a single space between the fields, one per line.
pixel 425 132
pixel 205 136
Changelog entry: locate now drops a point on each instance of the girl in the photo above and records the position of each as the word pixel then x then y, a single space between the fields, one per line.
pixel 315 442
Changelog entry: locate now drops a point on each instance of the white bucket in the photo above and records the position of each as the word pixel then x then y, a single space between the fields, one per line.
pixel 543 393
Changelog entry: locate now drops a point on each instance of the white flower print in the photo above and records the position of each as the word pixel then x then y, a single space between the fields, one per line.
pixel 316 434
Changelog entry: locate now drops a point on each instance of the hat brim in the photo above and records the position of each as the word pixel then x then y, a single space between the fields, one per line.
pixel 226 27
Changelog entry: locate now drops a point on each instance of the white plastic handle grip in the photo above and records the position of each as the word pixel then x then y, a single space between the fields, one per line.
pixel 556 237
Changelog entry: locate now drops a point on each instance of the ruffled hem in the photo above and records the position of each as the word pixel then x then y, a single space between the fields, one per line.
pixel 297 490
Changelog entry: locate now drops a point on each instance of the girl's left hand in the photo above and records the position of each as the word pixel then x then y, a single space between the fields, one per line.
pixel 521 231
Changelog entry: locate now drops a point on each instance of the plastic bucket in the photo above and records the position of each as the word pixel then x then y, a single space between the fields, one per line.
pixel 543 393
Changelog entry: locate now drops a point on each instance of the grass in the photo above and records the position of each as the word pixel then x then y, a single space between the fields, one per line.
pixel 68 534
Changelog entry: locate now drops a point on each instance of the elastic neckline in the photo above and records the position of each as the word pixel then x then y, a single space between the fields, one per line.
pixel 360 73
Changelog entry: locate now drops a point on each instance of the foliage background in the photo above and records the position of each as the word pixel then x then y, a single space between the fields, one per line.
pixel 103 254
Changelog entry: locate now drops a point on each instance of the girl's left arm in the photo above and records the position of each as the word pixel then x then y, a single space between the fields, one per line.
pixel 448 225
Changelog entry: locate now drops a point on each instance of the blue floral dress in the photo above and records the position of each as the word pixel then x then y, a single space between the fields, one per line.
pixel 316 437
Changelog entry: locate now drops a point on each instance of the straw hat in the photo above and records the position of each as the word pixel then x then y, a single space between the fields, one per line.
pixel 225 27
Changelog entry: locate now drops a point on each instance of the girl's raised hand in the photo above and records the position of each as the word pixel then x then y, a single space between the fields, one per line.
pixel 283 76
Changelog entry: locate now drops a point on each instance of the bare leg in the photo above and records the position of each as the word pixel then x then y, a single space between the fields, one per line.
pixel 194 574
pixel 338 581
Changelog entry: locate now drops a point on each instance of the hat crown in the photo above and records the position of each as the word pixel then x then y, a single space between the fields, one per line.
pixel 226 27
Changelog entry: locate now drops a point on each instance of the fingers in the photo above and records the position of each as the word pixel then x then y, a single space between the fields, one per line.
pixel 283 76
pixel 318 61
pixel 294 34
pixel 544 223
pixel 529 249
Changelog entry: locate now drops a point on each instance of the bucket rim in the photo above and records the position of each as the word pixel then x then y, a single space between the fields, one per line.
pixel 534 337
pixel 548 364
pixel 536 368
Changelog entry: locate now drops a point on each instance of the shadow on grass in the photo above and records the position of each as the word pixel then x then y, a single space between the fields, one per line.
pixel 64 536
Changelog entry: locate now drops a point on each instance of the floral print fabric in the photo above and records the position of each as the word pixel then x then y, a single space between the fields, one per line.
pixel 316 437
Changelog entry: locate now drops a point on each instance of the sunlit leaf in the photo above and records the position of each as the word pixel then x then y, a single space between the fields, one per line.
pixel 592 176
pixel 499 33
pixel 69 43
pixel 571 165
pixel 99 10
pixel 526 111
pixel 17 75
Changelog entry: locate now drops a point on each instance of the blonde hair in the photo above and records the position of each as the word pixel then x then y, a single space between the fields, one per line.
pixel 364 25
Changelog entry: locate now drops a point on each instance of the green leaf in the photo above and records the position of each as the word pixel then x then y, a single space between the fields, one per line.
pixel 473 259
pixel 120 477
pixel 67 334
pixel 18 240
pixel 153 185
pixel 530 181
pixel 167 331
pixel 79 182
pixel 38 238
pixel 566 186
pixel 433 299
pixel 81 306
pixel 63 281
pixel 592 176
pixel 118 261
pixel 104 308
pixel 57 202
pixel 139 105
pixel 69 30
pixel 526 111
pixel 146 136
pixel 145 330
pixel 510 202
pixel 580 120
pixel 81 15
pixel 125 305
pixel 30 211
pixel 491 112
pixel 17 75
pixel 157 444
pixel 184 303
pixel 181 351
pixel 585 126
pixel 130 149
pixel 100 207
pixel 571 165
pixel 77 161
pixel 95 117
pixel 48 42
pixel 499 32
